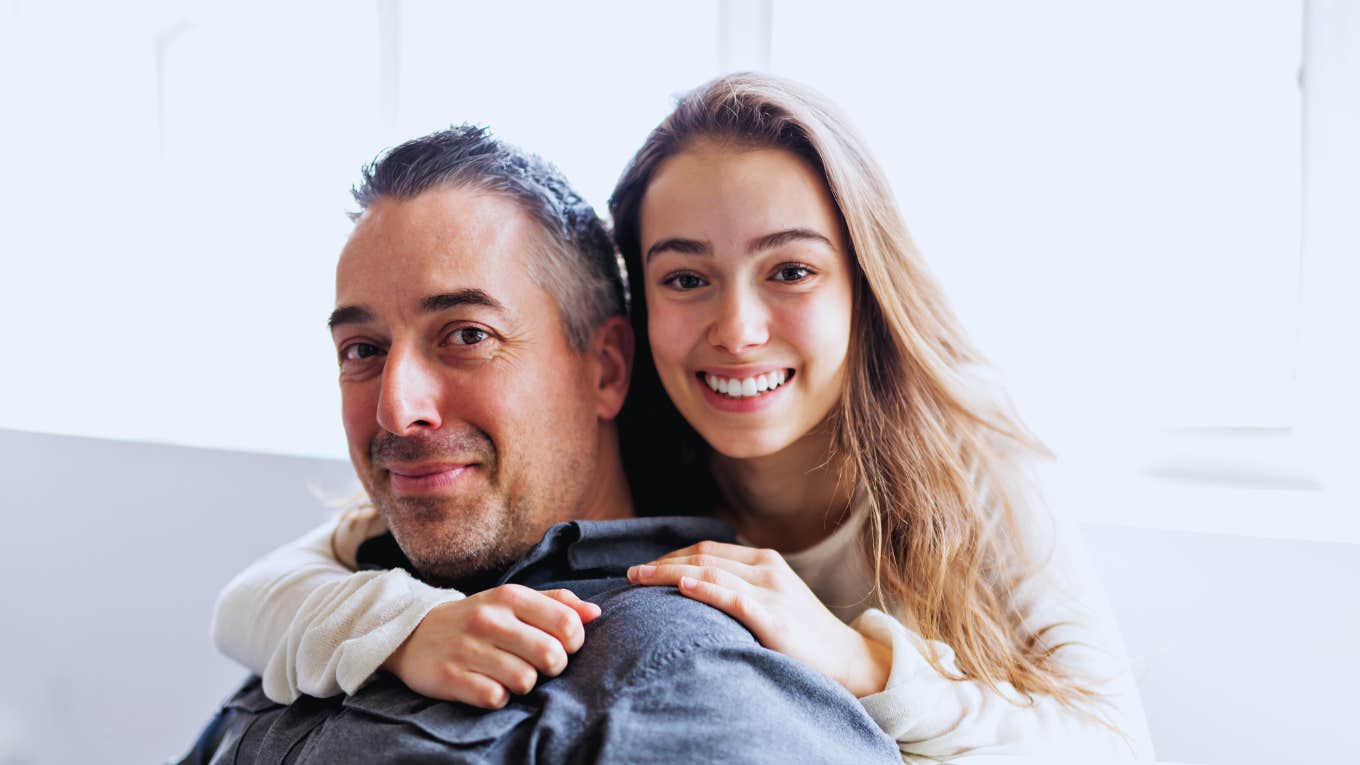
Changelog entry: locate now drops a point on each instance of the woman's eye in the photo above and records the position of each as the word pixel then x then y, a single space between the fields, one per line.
pixel 468 335
pixel 359 352
pixel 684 281
pixel 792 272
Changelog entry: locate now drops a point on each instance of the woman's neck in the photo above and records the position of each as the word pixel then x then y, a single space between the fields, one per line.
pixel 789 500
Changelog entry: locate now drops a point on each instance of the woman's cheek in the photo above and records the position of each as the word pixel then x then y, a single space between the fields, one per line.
pixel 669 331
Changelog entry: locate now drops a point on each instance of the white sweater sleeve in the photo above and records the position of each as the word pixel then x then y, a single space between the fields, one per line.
pixel 309 625
pixel 935 717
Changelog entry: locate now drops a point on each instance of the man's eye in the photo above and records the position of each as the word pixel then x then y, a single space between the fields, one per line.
pixel 792 272
pixel 358 351
pixel 684 281
pixel 468 335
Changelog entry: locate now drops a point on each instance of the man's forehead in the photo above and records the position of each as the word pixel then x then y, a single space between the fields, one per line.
pixel 440 241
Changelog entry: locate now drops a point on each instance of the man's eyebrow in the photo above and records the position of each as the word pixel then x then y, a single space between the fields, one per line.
pixel 681 246
pixel 779 238
pixel 357 314
pixel 470 296
pixel 349 314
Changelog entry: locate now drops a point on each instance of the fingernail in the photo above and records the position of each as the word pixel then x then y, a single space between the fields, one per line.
pixel 686 583
pixel 645 572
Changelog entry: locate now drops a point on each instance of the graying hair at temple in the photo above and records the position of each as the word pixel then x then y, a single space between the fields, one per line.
pixel 578 264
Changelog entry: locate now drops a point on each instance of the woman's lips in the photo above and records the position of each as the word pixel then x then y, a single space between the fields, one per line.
pixel 765 395
pixel 423 479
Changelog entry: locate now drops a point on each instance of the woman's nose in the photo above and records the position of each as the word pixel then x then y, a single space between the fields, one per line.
pixel 741 323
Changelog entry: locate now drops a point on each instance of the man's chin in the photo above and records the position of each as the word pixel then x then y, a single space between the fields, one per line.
pixel 448 543
pixel 477 570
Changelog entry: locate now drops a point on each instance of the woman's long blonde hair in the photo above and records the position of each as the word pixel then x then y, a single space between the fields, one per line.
pixel 940 467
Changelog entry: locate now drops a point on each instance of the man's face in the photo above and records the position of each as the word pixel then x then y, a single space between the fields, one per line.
pixel 470 418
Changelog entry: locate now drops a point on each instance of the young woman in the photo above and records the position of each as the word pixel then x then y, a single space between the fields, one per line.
pixel 801 376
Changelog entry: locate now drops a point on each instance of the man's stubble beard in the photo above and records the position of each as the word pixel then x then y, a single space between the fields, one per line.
pixel 451 538
pixel 448 541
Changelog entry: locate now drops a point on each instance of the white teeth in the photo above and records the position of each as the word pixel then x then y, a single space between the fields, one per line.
pixel 751 386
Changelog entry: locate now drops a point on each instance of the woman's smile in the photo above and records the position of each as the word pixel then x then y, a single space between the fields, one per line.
pixel 752 392
pixel 748 292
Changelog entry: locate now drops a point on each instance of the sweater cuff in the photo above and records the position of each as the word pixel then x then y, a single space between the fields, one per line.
pixel 362 657
pixel 891 708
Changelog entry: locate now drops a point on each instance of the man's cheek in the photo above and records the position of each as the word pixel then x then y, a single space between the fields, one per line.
pixel 359 414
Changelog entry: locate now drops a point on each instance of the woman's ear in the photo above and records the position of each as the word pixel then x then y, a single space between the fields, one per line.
pixel 611 351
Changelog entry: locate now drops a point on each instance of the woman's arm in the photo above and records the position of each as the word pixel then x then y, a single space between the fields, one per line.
pixel 883 662
pixel 932 715
pixel 307 624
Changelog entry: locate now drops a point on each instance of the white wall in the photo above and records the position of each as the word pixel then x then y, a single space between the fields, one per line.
pixel 1244 648
pixel 112 555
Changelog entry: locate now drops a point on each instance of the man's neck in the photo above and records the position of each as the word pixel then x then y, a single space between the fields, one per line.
pixel 608 497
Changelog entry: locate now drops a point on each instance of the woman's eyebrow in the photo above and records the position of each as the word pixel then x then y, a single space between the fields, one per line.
pixel 779 238
pixel 766 242
pixel 678 245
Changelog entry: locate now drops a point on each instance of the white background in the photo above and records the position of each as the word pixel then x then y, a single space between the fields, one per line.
pixel 1115 196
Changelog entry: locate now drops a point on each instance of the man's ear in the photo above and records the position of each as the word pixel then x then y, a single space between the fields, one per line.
pixel 611 351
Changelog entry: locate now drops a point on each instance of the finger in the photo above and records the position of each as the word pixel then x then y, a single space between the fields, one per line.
pixel 742 570
pixel 585 609
pixel 735 604
pixel 549 615
pixel 738 553
pixel 542 651
pixel 671 574
pixel 464 685
pixel 504 668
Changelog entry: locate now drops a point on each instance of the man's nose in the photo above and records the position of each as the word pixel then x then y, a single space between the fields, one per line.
pixel 409 399
pixel 741 323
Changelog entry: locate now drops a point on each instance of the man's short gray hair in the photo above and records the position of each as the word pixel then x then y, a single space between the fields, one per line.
pixel 578 265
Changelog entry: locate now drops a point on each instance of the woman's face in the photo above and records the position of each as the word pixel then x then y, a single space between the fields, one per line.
pixel 748 290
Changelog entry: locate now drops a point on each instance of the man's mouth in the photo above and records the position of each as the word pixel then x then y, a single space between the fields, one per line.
pixel 414 479
pixel 746 387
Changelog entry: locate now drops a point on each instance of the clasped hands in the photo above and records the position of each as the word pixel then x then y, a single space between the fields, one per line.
pixel 483 648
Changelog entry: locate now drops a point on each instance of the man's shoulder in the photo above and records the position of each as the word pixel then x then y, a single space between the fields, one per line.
pixel 642 630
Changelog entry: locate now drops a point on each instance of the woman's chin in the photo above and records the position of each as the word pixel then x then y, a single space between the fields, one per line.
pixel 748 445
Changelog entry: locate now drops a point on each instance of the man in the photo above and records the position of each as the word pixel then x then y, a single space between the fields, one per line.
pixel 483 358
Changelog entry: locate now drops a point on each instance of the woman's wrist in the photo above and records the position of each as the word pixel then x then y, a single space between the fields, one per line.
pixel 870 665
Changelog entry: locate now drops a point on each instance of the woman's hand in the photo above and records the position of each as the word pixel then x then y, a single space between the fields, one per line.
pixel 758 589
pixel 482 648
